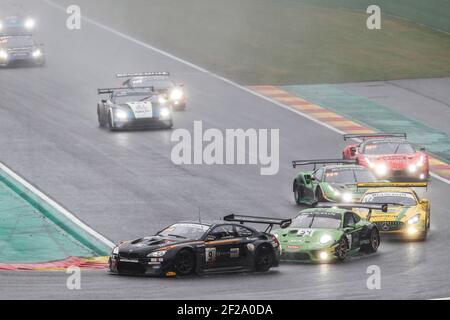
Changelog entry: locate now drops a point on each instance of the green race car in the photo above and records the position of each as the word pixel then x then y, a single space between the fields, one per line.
pixel 327 234
pixel 335 181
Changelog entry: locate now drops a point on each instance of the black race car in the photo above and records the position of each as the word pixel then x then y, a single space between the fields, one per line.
pixel 166 89
pixel 20 49
pixel 197 248
pixel 133 108
pixel 17 24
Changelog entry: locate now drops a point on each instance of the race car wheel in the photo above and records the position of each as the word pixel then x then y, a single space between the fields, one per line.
pixel 110 122
pixel 374 242
pixel 319 195
pixel 423 235
pixel 100 120
pixel 263 259
pixel 342 249
pixel 184 263
pixel 298 193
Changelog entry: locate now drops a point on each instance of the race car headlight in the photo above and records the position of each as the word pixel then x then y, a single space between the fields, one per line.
pixel 116 250
pixel 156 254
pixel 37 53
pixel 347 197
pixel 370 163
pixel 337 193
pixel 3 55
pixel 162 100
pixel 421 162
pixel 30 24
pixel 326 238
pixel 412 168
pixel 121 115
pixel 323 256
pixel 414 219
pixel 164 113
pixel 176 94
pixel 381 169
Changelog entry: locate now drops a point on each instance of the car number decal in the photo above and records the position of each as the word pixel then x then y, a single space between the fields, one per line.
pixel 210 255
pixel 142 109
pixel 305 232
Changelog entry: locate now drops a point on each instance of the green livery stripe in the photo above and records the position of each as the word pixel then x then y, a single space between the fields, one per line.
pixel 402 214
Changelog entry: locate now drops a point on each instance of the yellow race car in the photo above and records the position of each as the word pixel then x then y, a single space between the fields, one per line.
pixel 408 216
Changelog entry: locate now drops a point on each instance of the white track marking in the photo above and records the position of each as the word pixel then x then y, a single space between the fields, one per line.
pixel 56 206
pixel 203 70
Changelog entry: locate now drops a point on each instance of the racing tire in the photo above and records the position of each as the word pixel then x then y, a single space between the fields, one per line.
pixel 319 195
pixel 374 242
pixel 263 259
pixel 180 108
pixel 110 122
pixel 423 236
pixel 100 119
pixel 342 249
pixel 170 125
pixel 298 193
pixel 184 263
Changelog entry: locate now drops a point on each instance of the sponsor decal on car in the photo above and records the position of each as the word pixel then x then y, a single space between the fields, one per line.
pixel 142 109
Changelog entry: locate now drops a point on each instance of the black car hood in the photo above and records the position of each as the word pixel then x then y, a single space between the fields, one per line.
pixel 146 245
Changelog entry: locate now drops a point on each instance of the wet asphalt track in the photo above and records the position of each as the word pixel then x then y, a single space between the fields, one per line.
pixel 125 186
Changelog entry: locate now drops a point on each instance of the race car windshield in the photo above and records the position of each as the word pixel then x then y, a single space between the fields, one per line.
pixel 348 176
pixel 405 199
pixel 380 148
pixel 185 231
pixel 125 97
pixel 14 42
pixel 157 83
pixel 317 220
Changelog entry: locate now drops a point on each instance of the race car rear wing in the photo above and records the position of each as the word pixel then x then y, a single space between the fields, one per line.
pixel 296 163
pixel 383 207
pixel 374 135
pixel 15 34
pixel 112 90
pixel 283 223
pixel 143 74
pixel 371 206
pixel 376 185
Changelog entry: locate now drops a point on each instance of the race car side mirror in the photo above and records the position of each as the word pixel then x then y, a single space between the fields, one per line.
pixel 210 237
pixel 285 224
pixel 353 151
pixel 104 101
pixel 424 202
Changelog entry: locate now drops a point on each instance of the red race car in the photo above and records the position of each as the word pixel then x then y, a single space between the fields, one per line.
pixel 389 156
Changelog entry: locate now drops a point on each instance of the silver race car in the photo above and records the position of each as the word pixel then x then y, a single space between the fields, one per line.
pixel 133 108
